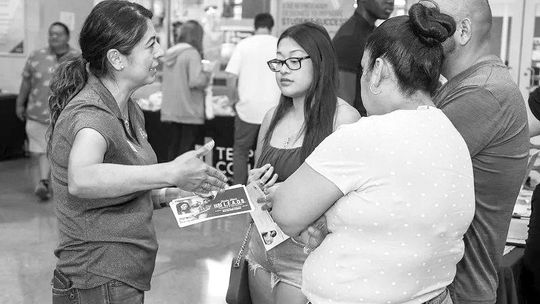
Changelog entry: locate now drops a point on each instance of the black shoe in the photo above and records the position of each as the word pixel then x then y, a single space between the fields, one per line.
pixel 42 190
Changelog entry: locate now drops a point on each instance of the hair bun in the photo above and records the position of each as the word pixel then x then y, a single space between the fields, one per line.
pixel 430 25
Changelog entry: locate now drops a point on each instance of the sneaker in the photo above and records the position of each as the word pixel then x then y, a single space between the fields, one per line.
pixel 42 190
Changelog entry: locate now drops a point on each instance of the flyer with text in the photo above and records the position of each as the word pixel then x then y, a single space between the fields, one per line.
pixel 269 232
pixel 196 209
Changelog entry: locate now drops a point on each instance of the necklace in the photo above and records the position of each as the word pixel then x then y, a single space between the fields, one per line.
pixel 287 140
pixel 290 124
pixel 291 139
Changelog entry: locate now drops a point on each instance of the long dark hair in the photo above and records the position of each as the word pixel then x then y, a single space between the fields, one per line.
pixel 110 25
pixel 413 45
pixel 321 97
pixel 192 33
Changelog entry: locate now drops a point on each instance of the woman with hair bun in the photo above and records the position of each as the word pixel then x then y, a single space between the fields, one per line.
pixel 105 178
pixel 396 187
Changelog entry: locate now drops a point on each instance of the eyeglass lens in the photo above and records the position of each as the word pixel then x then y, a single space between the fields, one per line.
pixel 291 63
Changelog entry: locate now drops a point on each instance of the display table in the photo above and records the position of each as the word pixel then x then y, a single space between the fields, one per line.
pixel 220 129
pixel 12 132
pixel 509 290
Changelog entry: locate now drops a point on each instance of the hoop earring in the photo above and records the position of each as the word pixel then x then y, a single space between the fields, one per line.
pixel 373 91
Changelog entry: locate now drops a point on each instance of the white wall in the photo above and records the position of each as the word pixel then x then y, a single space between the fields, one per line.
pixel 39 15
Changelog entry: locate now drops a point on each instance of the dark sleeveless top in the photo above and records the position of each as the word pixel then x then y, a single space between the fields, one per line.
pixel 284 161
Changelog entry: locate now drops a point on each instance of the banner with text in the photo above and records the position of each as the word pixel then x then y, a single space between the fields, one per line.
pixel 329 13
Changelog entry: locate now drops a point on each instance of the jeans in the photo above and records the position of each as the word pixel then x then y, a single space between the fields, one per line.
pixel 284 262
pixel 112 292
pixel 183 138
pixel 245 137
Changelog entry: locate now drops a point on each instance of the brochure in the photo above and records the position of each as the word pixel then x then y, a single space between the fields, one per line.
pixel 196 209
pixel 269 232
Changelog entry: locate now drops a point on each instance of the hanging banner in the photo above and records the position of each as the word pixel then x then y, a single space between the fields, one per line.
pixel 329 13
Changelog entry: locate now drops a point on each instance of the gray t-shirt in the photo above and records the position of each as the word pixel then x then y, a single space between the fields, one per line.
pixel 112 238
pixel 487 108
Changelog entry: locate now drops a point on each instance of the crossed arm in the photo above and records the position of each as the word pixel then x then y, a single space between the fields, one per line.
pixel 312 195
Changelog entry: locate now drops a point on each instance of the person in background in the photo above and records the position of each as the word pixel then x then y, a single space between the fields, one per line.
pixel 184 81
pixel 308 111
pixel 487 108
pixel 104 172
pixel 396 187
pixel 32 102
pixel 349 42
pixel 257 90
pixel 530 275
pixel 176 28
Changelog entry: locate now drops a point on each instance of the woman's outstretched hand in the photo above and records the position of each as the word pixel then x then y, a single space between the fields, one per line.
pixel 190 173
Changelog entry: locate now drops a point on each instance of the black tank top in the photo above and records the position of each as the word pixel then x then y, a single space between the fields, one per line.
pixel 284 161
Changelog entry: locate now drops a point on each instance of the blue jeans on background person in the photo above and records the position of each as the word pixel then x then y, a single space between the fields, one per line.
pixel 112 292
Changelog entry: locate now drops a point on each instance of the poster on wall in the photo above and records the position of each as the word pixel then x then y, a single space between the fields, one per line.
pixel 12 26
pixel 329 13
pixel 68 18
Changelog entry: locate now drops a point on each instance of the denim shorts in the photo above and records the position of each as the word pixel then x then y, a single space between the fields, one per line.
pixel 37 139
pixel 111 292
pixel 284 262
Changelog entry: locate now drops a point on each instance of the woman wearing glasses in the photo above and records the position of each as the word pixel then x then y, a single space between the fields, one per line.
pixel 396 187
pixel 309 110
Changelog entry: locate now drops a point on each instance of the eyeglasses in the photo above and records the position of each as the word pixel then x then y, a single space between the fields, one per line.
pixel 293 63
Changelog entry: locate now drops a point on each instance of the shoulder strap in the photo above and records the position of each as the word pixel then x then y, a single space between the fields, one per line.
pixel 241 252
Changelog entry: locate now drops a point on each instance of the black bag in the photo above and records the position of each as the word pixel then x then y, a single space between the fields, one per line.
pixel 238 290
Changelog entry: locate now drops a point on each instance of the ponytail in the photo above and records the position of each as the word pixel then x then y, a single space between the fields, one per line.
pixel 118 25
pixel 68 80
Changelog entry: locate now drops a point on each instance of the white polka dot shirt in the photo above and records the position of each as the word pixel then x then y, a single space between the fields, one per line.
pixel 396 234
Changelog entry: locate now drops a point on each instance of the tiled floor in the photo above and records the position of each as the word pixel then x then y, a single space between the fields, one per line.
pixel 192 263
